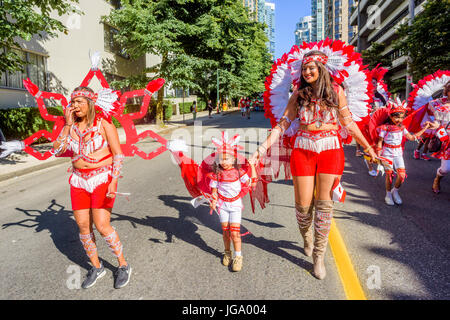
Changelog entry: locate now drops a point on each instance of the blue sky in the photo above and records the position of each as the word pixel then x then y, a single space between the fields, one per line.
pixel 287 14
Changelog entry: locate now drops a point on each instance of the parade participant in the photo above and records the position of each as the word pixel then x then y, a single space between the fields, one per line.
pixel 441 110
pixel 227 181
pixel 314 115
pixel 222 180
pixel 86 134
pixel 381 95
pixel 421 101
pixel 97 163
pixel 390 146
pixel 425 140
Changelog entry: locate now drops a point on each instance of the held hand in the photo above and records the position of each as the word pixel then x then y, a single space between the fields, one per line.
pixel 254 158
pixel 373 155
pixel 434 125
pixel 112 189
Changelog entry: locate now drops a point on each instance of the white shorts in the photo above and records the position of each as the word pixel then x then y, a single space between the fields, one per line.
pixel 230 215
pixel 398 162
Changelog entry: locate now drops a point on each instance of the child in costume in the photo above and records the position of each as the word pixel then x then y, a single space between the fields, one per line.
pixel 223 180
pixel 227 182
pixel 390 146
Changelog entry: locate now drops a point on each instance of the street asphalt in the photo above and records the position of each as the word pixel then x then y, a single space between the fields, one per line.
pixel 399 252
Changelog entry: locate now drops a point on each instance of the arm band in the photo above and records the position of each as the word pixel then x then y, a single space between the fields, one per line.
pixel 117 165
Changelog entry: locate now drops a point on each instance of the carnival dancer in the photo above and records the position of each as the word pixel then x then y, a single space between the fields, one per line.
pixel 227 181
pixel 97 164
pixel 86 134
pixel 315 114
pixel 422 102
pixel 381 95
pixel 441 110
pixel 390 146
pixel 222 180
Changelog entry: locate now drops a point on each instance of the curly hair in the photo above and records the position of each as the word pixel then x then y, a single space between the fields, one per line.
pixel 324 89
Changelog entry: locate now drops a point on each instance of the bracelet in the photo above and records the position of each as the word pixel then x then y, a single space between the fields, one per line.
pixel 367 149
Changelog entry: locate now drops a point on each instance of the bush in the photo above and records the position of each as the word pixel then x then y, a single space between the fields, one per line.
pixel 20 123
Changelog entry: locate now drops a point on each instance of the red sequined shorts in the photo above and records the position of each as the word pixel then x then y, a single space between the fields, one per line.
pixel 88 188
pixel 317 152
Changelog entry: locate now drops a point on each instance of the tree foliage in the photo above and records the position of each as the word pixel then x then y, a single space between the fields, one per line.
pixel 374 56
pixel 25 18
pixel 425 41
pixel 194 38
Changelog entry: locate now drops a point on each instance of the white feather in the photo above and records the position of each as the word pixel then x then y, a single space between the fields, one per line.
pixel 9 147
pixel 95 60
pixel 177 145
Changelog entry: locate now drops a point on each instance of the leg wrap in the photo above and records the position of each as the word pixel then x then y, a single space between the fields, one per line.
pixel 235 229
pixel 402 174
pixel 114 243
pixel 322 225
pixel 88 241
pixel 444 169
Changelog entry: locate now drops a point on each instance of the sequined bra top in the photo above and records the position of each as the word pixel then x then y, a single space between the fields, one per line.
pixel 82 148
pixel 321 115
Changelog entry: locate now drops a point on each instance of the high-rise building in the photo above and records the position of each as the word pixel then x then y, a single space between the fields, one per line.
pixel 336 19
pixel 264 12
pixel 378 24
pixel 269 19
pixel 303 30
pixel 318 20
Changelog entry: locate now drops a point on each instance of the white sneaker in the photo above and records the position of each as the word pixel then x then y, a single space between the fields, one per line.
pixel 396 197
pixel 388 199
pixel 373 173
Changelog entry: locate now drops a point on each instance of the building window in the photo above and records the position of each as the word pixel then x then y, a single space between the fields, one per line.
pixel 110 44
pixel 35 69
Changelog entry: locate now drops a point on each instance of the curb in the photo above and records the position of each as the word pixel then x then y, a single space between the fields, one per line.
pixel 51 163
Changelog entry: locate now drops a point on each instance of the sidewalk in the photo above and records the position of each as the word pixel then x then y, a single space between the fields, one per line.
pixel 18 164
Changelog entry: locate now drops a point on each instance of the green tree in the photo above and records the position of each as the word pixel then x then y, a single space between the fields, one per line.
pixel 24 19
pixel 194 38
pixel 373 56
pixel 425 41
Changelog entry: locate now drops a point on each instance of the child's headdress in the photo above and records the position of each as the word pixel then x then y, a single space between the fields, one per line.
pixel 226 145
pixel 397 106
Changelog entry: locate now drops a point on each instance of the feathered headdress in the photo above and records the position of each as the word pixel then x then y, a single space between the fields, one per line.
pixel 343 63
pixel 225 145
pixel 397 106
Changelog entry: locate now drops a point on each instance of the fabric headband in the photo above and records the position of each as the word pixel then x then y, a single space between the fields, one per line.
pixel 315 57
pixel 84 93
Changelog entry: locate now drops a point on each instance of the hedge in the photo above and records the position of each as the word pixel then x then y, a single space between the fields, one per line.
pixel 20 123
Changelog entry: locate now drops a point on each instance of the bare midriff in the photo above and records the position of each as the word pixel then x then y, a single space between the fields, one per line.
pixel 323 127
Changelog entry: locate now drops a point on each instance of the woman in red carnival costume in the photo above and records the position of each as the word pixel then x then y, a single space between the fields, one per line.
pixel 315 114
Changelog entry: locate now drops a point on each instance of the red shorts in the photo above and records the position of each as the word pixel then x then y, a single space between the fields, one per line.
pixel 82 199
pixel 310 163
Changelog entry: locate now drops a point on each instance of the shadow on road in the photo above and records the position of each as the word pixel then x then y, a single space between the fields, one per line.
pixel 185 228
pixel 427 213
pixel 63 231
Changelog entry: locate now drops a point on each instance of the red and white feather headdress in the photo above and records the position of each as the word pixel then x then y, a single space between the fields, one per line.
pixel 378 74
pixel 343 63
pixel 225 145
pixel 425 89
pixel 397 106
